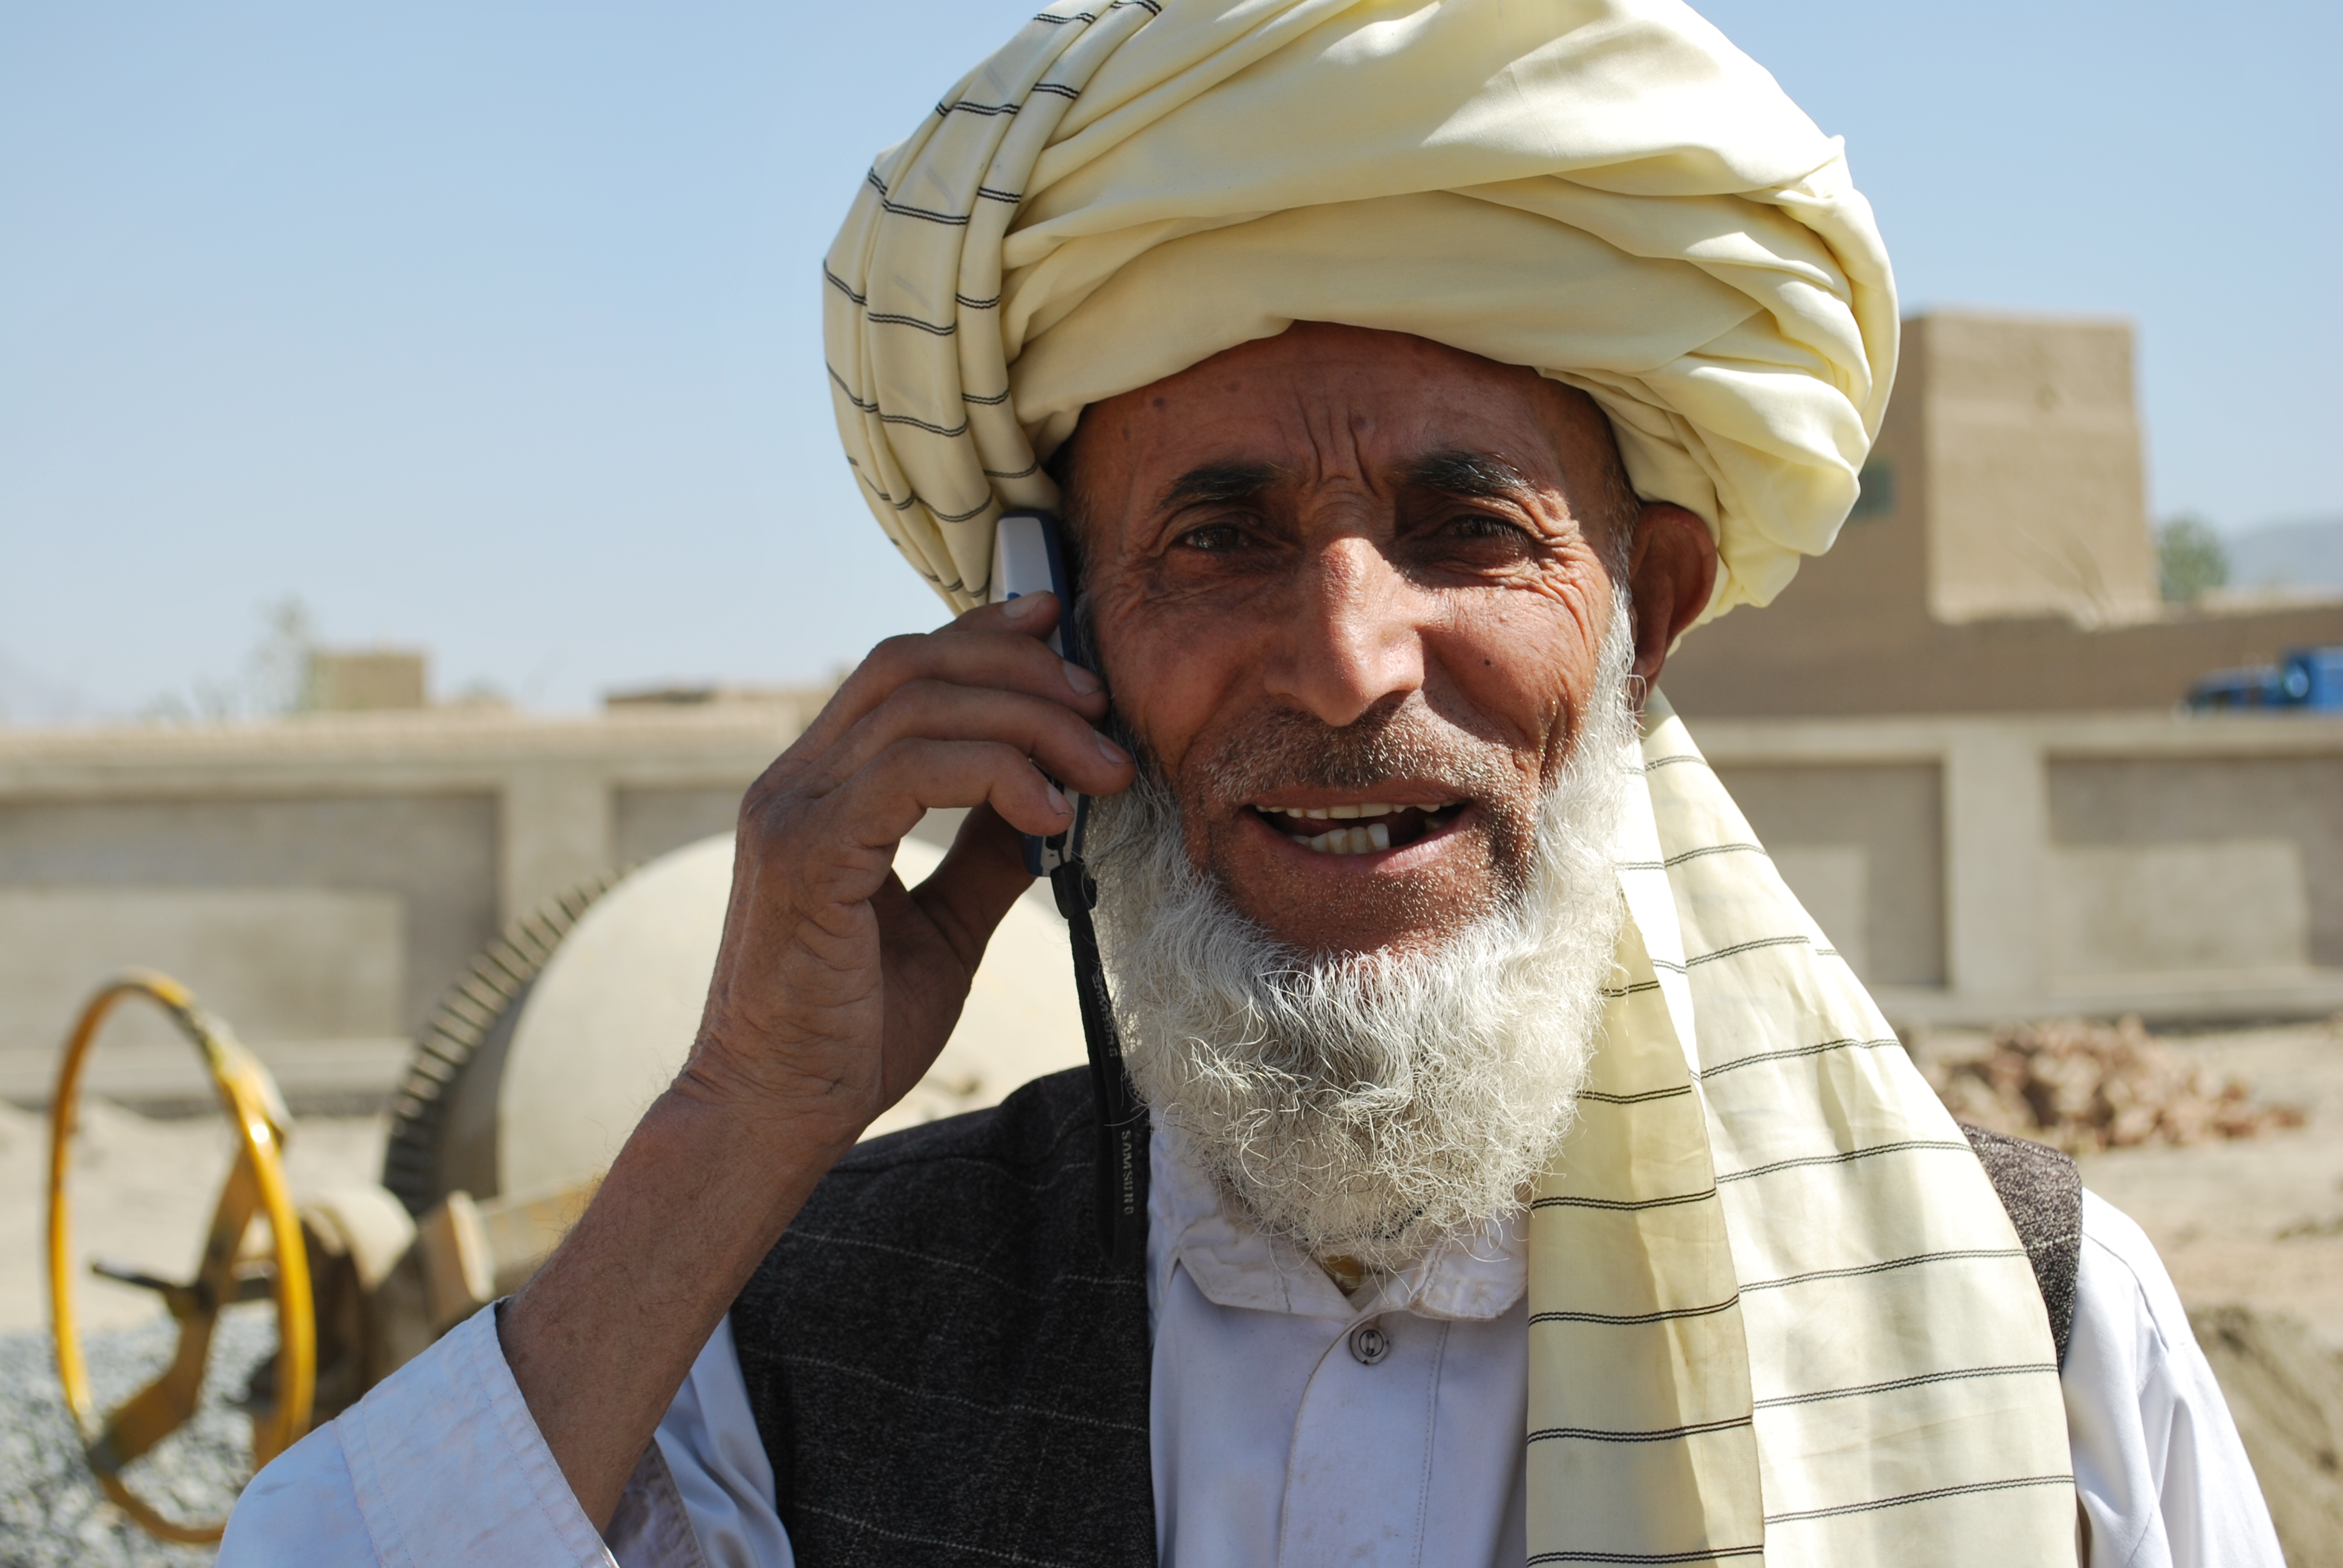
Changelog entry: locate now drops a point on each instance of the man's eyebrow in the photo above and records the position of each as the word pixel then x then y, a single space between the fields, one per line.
pixel 1464 472
pixel 1219 483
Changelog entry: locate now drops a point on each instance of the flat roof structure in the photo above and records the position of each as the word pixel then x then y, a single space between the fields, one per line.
pixel 2000 559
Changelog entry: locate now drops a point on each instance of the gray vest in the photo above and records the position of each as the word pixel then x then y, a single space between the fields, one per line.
pixel 946 1371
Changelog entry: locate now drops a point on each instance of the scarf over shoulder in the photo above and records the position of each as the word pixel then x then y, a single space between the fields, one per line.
pixel 1775 1308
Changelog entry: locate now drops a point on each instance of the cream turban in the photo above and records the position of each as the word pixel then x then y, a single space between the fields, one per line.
pixel 1605 190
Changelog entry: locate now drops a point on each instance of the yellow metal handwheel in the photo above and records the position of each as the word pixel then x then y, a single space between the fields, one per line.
pixel 228 1273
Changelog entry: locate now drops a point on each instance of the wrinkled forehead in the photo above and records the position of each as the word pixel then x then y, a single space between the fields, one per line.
pixel 1324 406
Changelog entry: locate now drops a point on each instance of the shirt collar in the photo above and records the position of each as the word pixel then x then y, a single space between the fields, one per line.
pixel 1236 1264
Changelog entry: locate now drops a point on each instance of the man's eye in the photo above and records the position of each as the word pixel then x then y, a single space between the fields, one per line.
pixel 1482 526
pixel 1213 537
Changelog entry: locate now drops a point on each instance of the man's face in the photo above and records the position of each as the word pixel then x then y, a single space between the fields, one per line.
pixel 1360 576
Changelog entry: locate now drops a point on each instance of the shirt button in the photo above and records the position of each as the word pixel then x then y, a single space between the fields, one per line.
pixel 1369 1345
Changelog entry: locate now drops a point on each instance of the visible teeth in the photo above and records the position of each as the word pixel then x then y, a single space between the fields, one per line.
pixel 1375 835
pixel 1351 840
pixel 1344 813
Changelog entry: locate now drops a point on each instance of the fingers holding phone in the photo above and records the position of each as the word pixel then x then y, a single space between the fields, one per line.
pixel 833 979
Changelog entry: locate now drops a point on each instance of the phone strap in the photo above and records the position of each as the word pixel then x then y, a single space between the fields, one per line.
pixel 1122 1125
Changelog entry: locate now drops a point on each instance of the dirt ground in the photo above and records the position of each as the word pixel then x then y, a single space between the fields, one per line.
pixel 2257 1222
pixel 2251 1231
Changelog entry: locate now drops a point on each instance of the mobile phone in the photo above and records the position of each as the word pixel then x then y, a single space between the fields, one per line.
pixel 1029 556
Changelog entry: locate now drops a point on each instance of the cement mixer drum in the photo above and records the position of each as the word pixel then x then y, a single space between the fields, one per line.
pixel 540 1062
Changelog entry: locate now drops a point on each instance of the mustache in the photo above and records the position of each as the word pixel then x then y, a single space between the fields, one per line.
pixel 1285 749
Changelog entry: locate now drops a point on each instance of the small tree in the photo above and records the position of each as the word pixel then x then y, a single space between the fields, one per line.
pixel 279 676
pixel 2190 558
pixel 275 680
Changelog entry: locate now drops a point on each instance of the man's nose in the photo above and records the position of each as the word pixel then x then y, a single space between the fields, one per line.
pixel 1353 639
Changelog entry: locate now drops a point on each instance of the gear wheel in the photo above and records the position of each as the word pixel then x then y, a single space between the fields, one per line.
pixel 443 1113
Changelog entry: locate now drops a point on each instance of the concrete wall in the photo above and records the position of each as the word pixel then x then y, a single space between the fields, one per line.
pixel 1862 843
pixel 426 861
pixel 320 882
pixel 646 823
pixel 316 964
pixel 1979 868
pixel 2280 818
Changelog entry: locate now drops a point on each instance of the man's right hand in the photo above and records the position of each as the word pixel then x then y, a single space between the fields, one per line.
pixel 834 989
pixel 835 986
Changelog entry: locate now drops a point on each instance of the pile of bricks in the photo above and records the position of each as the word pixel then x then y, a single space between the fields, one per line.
pixel 2083 1087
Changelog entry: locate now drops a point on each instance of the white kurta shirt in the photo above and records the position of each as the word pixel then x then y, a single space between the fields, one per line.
pixel 1290 1425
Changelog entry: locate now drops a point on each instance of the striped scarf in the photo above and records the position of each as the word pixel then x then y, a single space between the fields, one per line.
pixel 1775 1305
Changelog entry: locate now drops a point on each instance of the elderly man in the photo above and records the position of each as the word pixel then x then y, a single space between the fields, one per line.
pixel 1530 1180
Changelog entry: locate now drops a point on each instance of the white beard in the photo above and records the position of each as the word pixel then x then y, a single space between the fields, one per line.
pixel 1369 1105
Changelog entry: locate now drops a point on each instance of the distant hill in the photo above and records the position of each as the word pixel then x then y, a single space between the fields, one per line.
pixel 2306 553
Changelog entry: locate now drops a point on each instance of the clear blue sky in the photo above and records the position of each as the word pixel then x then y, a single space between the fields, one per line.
pixel 493 327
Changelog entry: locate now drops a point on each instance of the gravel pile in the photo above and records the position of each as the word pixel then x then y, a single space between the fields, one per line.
pixel 52 1513
pixel 2084 1087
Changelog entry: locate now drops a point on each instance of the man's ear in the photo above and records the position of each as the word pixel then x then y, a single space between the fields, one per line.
pixel 1670 575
